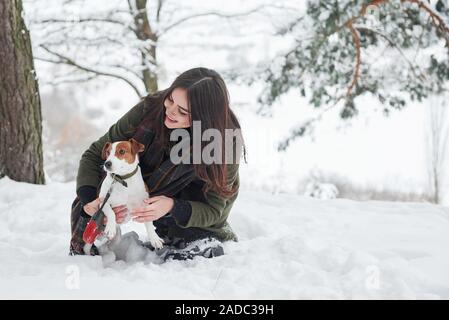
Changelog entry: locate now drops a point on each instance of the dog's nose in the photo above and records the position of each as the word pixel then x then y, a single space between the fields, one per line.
pixel 108 164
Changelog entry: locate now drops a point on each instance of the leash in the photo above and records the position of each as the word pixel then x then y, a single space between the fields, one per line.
pixel 96 226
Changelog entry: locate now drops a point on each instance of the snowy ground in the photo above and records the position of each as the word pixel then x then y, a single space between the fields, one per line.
pixel 290 247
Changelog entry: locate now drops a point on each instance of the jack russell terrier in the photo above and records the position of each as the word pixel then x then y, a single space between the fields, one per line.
pixel 124 175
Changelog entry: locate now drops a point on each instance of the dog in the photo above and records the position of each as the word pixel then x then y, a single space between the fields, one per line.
pixel 122 165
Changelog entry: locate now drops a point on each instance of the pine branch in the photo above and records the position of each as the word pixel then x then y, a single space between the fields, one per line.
pixel 421 76
pixel 437 21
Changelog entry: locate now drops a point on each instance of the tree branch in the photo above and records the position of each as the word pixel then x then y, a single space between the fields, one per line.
pixel 205 14
pixel 437 21
pixel 158 10
pixel 70 62
pixel 391 43
pixel 84 41
pixel 108 20
pixel 356 38
pixel 58 81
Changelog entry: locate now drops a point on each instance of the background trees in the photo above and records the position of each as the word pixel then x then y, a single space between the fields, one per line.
pixel 115 39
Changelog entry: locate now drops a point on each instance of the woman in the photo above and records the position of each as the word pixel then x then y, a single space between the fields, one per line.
pixel 187 201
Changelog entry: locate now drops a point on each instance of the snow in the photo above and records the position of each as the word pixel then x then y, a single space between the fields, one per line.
pixel 290 247
pixel 324 191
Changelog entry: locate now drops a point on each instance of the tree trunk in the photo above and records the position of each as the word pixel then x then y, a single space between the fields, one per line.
pixel 20 108
pixel 144 32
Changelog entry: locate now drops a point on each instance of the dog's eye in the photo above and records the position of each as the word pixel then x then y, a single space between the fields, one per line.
pixel 122 152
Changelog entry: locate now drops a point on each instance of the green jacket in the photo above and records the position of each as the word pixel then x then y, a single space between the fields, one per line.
pixel 210 215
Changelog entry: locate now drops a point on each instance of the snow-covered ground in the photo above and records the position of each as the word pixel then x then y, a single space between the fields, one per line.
pixel 290 247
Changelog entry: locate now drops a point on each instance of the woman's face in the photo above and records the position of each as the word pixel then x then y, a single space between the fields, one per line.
pixel 177 114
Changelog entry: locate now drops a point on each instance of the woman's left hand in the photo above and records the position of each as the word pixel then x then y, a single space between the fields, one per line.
pixel 153 208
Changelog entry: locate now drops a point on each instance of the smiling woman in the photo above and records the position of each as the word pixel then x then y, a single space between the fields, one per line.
pixel 176 116
pixel 186 202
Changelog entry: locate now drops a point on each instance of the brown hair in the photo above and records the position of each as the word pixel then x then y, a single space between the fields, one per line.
pixel 208 99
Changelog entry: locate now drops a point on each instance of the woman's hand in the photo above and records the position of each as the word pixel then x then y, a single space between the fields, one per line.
pixel 120 211
pixel 93 206
pixel 153 209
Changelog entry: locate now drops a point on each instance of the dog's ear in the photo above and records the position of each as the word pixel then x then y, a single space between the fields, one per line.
pixel 136 146
pixel 106 150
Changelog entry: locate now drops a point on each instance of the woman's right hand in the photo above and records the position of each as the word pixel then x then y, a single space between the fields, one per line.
pixel 120 211
pixel 93 206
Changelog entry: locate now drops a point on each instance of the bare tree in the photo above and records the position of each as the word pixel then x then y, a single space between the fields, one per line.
pixel 437 143
pixel 144 32
pixel 93 43
pixel 20 109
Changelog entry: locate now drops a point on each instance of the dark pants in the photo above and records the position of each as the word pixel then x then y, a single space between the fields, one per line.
pixel 174 236
pixel 167 227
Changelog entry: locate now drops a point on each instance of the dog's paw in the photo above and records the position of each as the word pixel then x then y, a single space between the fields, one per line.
pixel 157 243
pixel 110 230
